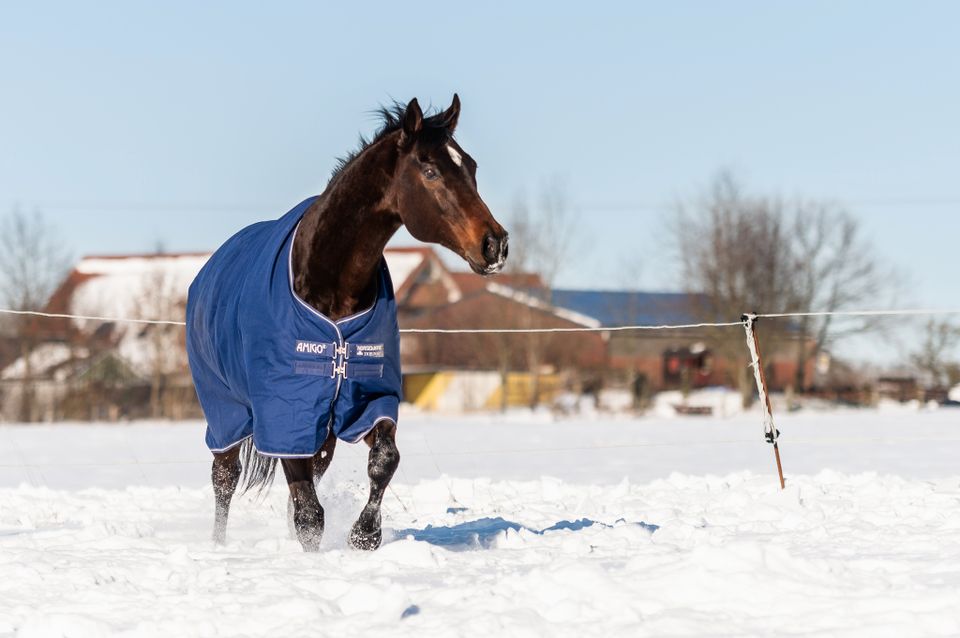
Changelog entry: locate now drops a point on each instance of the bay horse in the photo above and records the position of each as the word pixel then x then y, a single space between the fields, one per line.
pixel 262 379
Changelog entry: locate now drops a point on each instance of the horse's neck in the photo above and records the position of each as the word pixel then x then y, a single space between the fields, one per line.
pixel 337 250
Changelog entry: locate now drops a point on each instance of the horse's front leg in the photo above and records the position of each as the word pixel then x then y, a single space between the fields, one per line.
pixel 383 461
pixel 307 513
pixel 321 461
pixel 225 474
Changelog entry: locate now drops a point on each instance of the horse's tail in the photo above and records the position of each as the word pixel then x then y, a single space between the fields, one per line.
pixel 258 470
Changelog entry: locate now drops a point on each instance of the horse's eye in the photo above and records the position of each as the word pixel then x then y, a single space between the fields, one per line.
pixel 430 173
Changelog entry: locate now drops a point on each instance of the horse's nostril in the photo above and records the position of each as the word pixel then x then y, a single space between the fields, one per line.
pixel 504 248
pixel 491 248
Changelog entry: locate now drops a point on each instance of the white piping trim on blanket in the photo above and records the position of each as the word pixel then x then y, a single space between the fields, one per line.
pixel 370 429
pixel 271 454
pixel 302 456
pixel 287 456
pixel 231 446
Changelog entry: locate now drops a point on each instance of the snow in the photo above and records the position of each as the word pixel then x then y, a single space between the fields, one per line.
pixel 42 357
pixel 615 400
pixel 402 264
pixel 723 402
pixel 500 525
pixel 136 286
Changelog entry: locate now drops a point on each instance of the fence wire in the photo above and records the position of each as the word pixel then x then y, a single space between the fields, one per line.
pixel 626 328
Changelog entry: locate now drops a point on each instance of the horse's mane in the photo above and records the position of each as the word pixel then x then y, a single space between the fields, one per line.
pixel 391 119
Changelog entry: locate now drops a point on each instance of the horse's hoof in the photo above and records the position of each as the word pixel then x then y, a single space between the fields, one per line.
pixel 366 541
pixel 310 539
pixel 310 543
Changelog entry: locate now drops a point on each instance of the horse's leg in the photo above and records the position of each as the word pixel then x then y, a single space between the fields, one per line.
pixel 307 513
pixel 321 461
pixel 383 461
pixel 225 475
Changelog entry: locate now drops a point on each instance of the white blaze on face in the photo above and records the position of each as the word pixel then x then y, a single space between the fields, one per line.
pixel 454 155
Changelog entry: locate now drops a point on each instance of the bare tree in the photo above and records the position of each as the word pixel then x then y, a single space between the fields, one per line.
pixel 545 235
pixel 834 270
pixel 33 261
pixel 733 251
pixel 936 357
pixel 745 253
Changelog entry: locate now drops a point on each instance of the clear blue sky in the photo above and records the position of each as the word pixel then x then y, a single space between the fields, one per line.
pixel 130 124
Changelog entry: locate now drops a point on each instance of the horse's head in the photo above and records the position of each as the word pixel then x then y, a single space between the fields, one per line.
pixel 435 190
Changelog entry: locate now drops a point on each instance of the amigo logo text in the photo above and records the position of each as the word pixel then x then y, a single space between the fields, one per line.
pixel 312 347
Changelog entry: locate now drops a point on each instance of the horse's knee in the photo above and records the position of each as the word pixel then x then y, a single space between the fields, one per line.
pixel 384 456
pixel 383 462
pixel 225 473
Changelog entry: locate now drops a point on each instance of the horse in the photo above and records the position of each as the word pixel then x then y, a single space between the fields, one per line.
pixel 261 383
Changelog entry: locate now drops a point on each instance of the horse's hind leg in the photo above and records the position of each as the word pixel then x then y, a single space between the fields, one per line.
pixel 382 463
pixel 225 475
pixel 307 513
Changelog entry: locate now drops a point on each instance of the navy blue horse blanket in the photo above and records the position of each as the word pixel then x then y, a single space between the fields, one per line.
pixel 267 365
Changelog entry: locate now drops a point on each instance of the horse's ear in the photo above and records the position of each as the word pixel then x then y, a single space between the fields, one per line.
pixel 451 115
pixel 412 122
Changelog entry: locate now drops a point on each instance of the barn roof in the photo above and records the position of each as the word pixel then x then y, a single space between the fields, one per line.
pixel 470 283
pixel 619 308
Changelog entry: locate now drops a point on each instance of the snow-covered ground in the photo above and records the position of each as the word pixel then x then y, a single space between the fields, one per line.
pixel 500 525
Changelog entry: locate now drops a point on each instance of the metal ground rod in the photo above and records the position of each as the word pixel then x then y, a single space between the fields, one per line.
pixel 771 434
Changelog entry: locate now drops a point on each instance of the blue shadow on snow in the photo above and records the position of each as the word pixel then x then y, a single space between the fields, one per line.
pixel 481 532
